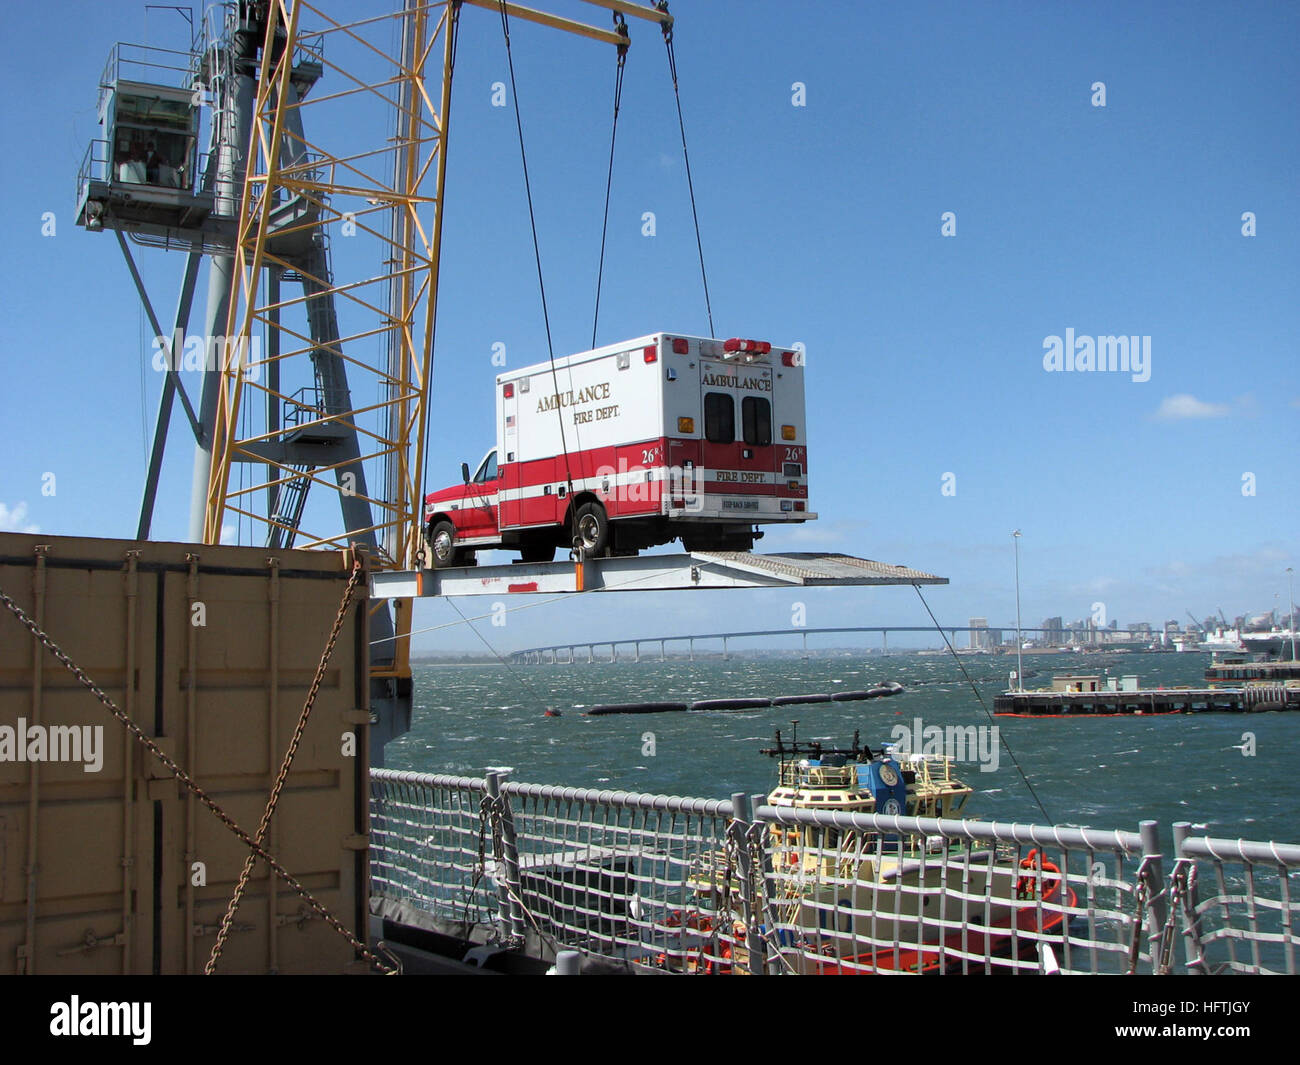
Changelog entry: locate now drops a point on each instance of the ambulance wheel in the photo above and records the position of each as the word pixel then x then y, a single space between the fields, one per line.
pixel 591 527
pixel 443 552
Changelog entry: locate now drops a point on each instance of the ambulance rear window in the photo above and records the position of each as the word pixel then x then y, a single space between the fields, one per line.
pixel 719 418
pixel 756 413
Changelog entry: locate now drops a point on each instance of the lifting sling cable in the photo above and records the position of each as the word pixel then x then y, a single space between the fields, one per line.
pixel 667 28
pixel 983 706
pixel 620 24
pixel 520 681
pixel 537 252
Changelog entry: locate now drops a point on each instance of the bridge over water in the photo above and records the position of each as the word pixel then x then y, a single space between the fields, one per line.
pixel 550 654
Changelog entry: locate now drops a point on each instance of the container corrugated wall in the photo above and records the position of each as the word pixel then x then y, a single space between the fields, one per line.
pixel 107 865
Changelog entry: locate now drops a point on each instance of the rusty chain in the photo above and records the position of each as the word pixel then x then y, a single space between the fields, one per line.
pixel 186 781
pixel 264 825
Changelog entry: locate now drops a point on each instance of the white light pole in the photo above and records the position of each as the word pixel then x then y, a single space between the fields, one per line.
pixel 1290 586
pixel 1020 668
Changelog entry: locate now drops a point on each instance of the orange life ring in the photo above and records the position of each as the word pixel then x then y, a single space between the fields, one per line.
pixel 1026 884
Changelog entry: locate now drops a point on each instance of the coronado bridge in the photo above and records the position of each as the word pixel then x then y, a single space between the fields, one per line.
pixel 695 570
pixel 551 654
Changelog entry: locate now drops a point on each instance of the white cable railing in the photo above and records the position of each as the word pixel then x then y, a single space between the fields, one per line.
pixel 691 885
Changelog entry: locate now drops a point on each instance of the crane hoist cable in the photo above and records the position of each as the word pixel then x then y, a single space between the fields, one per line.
pixel 667 28
pixel 537 251
pixel 1047 818
pixel 620 26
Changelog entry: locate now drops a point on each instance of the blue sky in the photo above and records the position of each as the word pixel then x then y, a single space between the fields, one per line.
pixel 822 224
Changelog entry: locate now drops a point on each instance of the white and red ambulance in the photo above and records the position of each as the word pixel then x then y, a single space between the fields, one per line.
pixel 633 445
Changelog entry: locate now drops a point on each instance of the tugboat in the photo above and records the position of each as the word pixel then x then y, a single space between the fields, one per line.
pixel 854 902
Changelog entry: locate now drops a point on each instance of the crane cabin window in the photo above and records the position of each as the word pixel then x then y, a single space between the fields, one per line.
pixel 719 418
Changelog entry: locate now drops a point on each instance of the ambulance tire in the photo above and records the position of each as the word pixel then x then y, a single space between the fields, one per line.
pixel 443 553
pixel 591 526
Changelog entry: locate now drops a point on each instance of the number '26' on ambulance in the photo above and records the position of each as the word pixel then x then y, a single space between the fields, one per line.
pixel 632 445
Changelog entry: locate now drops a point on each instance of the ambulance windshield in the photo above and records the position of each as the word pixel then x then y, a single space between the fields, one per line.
pixel 487 471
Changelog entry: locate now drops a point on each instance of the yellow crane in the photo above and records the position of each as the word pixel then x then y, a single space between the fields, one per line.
pixel 342 192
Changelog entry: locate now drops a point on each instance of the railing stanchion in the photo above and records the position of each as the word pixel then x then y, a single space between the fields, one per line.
pixel 1191 941
pixel 1157 909
pixel 509 889
pixel 750 907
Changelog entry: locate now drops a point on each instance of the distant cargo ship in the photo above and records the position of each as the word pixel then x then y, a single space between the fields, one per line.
pixel 1222 640
pixel 1275 644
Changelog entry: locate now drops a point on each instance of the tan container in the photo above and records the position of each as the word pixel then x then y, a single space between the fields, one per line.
pixel 211 650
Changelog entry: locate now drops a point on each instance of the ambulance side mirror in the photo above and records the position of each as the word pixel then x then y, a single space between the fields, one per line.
pixel 464 472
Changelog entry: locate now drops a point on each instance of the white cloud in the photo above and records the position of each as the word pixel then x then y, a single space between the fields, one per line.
pixel 15 520
pixel 811 535
pixel 229 534
pixel 1184 405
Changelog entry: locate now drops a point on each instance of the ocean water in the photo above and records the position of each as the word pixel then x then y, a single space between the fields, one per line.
pixel 1104 772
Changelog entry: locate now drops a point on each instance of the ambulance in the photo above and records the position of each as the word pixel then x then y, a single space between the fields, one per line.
pixel 607 452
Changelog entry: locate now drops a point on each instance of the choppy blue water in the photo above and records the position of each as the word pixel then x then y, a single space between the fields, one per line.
pixel 1106 772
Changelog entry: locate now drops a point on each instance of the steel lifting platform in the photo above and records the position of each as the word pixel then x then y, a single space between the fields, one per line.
pixel 649 573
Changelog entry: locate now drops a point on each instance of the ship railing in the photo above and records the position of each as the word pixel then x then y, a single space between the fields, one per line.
pixel 794 775
pixel 426 846
pixel 613 874
pixel 1237 904
pixel 694 885
pixel 610 872
pixel 979 897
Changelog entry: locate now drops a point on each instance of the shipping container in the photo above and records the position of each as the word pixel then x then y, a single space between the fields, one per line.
pixel 107 864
